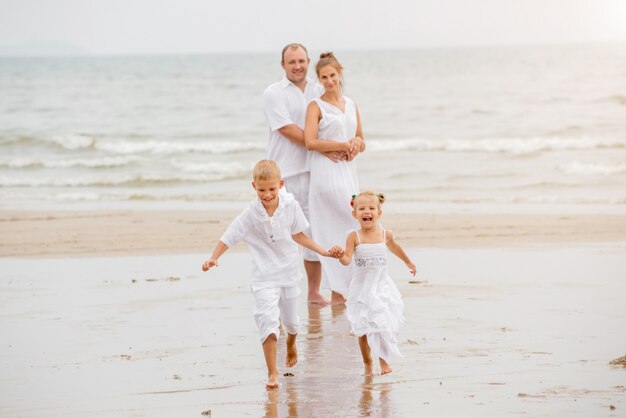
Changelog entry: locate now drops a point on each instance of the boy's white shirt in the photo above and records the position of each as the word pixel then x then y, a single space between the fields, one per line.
pixel 275 258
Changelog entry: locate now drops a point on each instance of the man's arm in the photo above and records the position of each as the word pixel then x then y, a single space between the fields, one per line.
pixel 293 133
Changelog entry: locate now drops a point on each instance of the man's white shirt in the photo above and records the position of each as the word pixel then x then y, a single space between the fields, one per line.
pixel 285 104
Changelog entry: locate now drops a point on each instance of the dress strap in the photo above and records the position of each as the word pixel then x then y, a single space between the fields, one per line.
pixel 384 235
pixel 358 238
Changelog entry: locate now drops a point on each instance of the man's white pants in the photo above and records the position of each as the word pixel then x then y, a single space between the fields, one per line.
pixel 273 306
pixel 298 186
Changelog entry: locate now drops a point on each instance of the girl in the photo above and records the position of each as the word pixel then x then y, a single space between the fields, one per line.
pixel 374 306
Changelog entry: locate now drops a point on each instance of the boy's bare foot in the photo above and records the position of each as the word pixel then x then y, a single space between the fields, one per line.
pixel 317 299
pixel 384 367
pixel 272 381
pixel 292 351
pixel 337 299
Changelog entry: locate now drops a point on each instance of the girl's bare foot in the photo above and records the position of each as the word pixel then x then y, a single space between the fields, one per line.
pixel 384 367
pixel 337 299
pixel 292 351
pixel 272 381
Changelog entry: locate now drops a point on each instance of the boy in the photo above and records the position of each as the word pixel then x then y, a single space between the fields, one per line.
pixel 271 226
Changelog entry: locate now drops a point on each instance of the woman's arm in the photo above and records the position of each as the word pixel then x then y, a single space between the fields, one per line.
pixel 358 141
pixel 396 249
pixel 311 125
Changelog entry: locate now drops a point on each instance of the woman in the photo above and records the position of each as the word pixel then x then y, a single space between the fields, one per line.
pixel 332 125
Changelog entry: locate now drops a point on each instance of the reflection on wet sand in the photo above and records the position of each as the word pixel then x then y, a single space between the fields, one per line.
pixel 328 379
pixel 289 392
pixel 367 405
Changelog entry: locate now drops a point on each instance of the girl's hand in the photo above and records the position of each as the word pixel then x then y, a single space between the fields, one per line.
pixel 336 251
pixel 208 264
pixel 412 268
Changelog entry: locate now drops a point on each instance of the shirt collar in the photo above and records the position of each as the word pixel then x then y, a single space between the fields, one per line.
pixel 286 83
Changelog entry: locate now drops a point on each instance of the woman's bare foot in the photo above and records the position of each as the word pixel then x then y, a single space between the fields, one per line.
pixel 384 367
pixel 292 351
pixel 337 299
pixel 317 299
pixel 272 381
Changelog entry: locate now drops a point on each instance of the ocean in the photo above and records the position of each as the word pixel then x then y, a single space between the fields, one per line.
pixel 489 129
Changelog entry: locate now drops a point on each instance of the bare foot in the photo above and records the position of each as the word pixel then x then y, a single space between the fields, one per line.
pixel 384 367
pixel 292 351
pixel 317 299
pixel 369 369
pixel 337 299
pixel 272 381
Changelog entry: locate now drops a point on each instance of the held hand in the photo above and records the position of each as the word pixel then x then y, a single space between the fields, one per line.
pixel 336 251
pixel 208 264
pixel 412 268
pixel 356 148
pixel 334 156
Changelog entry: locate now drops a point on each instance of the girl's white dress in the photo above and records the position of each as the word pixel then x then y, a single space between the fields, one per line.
pixel 332 186
pixel 374 306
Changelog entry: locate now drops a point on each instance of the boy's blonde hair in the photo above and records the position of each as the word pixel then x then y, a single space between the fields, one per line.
pixel 266 170
pixel 380 197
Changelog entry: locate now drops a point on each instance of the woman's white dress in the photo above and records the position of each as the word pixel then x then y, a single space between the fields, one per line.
pixel 374 306
pixel 332 186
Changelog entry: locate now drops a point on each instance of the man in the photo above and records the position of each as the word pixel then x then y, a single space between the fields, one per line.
pixel 285 104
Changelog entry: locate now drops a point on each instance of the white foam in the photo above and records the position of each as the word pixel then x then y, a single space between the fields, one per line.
pixel 228 168
pixel 171 148
pixel 110 179
pixel 97 162
pixel 516 146
pixel 71 141
pixel 606 169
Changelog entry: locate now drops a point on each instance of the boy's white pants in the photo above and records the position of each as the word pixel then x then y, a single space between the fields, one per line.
pixel 273 306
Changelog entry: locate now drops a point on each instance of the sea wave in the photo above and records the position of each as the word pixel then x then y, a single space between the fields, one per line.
pixel 516 146
pixel 234 169
pixel 76 142
pixel 114 179
pixel 606 169
pixel 172 148
pixel 97 162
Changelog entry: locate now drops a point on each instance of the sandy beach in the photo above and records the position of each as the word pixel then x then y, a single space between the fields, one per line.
pixel 107 314
pixel 76 233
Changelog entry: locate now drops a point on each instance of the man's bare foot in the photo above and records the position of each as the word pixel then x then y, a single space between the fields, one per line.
pixel 272 381
pixel 292 351
pixel 337 299
pixel 317 299
pixel 384 367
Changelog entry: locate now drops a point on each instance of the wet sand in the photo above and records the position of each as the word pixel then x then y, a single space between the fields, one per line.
pixel 84 233
pixel 491 332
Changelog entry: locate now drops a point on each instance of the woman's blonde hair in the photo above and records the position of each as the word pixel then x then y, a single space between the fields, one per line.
pixel 380 197
pixel 266 170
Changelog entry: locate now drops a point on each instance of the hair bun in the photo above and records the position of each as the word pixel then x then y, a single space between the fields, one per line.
pixel 327 54
pixel 381 198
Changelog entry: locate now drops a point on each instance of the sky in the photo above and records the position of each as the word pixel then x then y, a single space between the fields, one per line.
pixel 236 26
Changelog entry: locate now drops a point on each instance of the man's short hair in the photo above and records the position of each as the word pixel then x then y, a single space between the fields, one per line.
pixel 293 46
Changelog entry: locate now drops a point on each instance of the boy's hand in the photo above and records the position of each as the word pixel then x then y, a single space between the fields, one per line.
pixel 412 268
pixel 208 264
pixel 336 251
